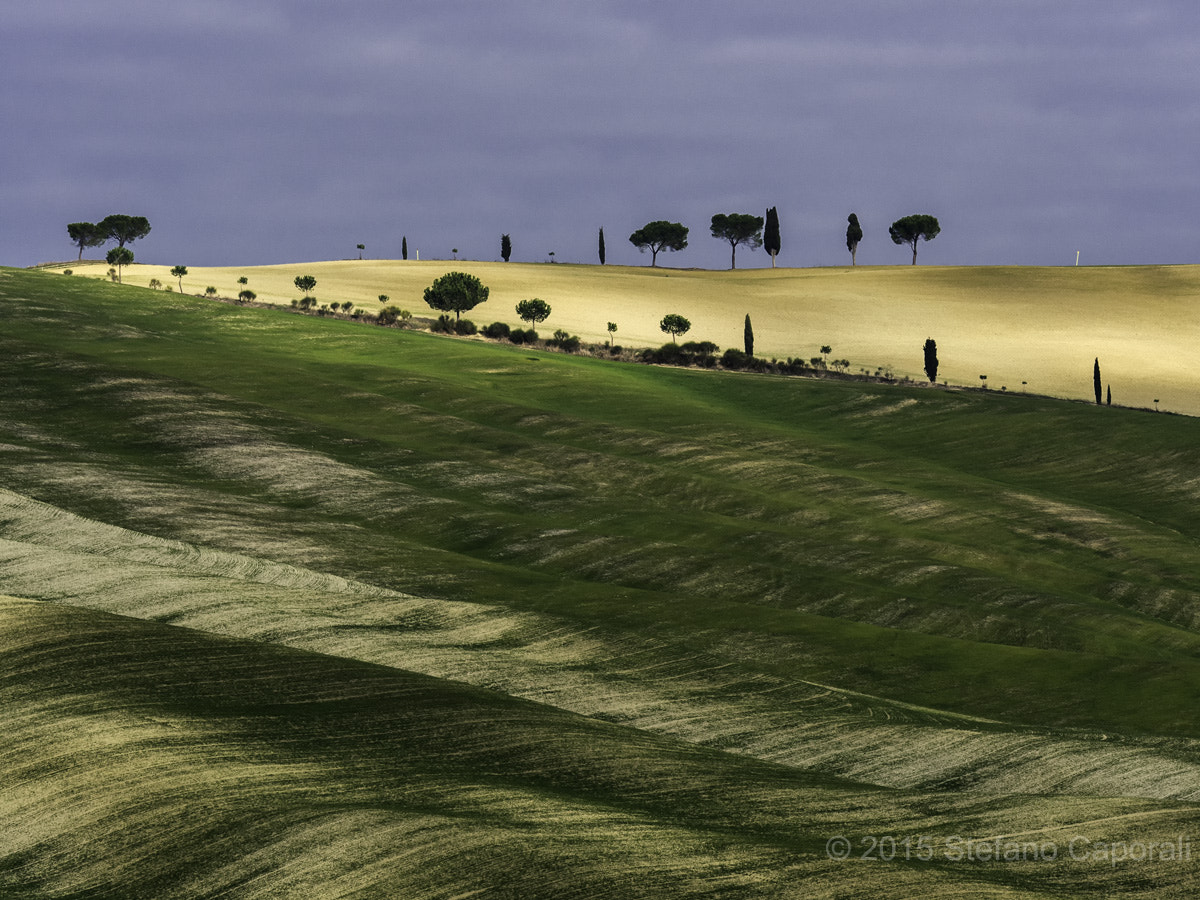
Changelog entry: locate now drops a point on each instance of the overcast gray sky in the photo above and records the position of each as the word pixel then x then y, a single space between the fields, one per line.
pixel 272 131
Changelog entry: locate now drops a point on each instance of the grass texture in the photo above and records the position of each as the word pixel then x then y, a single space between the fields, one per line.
pixel 301 607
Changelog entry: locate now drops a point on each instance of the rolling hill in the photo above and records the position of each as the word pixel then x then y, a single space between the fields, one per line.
pixel 1027 329
pixel 300 607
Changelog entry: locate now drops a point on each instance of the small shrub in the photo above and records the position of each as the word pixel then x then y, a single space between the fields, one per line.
pixel 155 284
pixel 210 291
pixel 496 330
pixel 245 296
pixel 666 355
pixel 465 326
pixel 565 341
pixel 523 336
pixel 443 325
pixel 347 306
pixel 388 316
pixel 699 348
pixel 68 272
pixel 295 304
pixel 734 358
pixel 112 274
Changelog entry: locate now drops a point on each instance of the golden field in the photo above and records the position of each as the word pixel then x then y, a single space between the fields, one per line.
pixel 1025 328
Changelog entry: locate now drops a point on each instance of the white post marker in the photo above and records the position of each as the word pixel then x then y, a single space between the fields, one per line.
pixel 1076 257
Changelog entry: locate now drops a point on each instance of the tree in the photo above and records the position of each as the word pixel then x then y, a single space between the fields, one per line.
pixel 210 291
pixel 602 245
pixel 738 228
pixel 931 360
pixel 612 328
pixel 179 272
pixel 361 248
pixel 305 283
pixel 505 247
pixel 748 336
pixel 86 234
pixel 533 311
pixel 675 325
pixel 1096 379
pixel 245 296
pixel 456 292
pixel 771 234
pixel 404 247
pixel 660 235
pixel 825 351
pixel 853 236
pixel 119 257
pixel 243 281
pixel 383 298
pixel 1108 399
pixel 124 229
pixel 911 229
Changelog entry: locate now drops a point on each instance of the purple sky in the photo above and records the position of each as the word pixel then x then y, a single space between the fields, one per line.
pixel 270 131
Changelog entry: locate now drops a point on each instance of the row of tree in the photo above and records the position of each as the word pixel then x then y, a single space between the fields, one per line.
pixel 743 229
pixel 120 228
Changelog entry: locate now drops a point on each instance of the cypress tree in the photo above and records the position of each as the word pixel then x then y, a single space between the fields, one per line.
pixel 1108 399
pixel 505 247
pixel 853 236
pixel 602 245
pixel 404 248
pixel 1096 380
pixel 931 360
pixel 749 336
pixel 771 234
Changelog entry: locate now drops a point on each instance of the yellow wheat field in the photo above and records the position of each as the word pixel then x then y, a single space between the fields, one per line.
pixel 1033 329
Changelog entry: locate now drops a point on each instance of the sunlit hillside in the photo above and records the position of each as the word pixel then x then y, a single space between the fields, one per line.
pixel 1026 329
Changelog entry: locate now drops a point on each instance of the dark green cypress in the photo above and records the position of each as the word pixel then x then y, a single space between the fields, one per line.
pixel 404 248
pixel 1096 381
pixel 854 234
pixel 931 360
pixel 602 245
pixel 771 234
pixel 749 336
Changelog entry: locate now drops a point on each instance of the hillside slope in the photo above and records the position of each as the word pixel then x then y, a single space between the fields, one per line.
pixel 788 609
pixel 1026 329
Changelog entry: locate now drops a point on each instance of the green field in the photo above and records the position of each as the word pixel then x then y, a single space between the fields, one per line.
pixel 1028 329
pixel 302 607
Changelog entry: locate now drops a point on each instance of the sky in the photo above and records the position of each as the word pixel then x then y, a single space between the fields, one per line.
pixel 276 131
